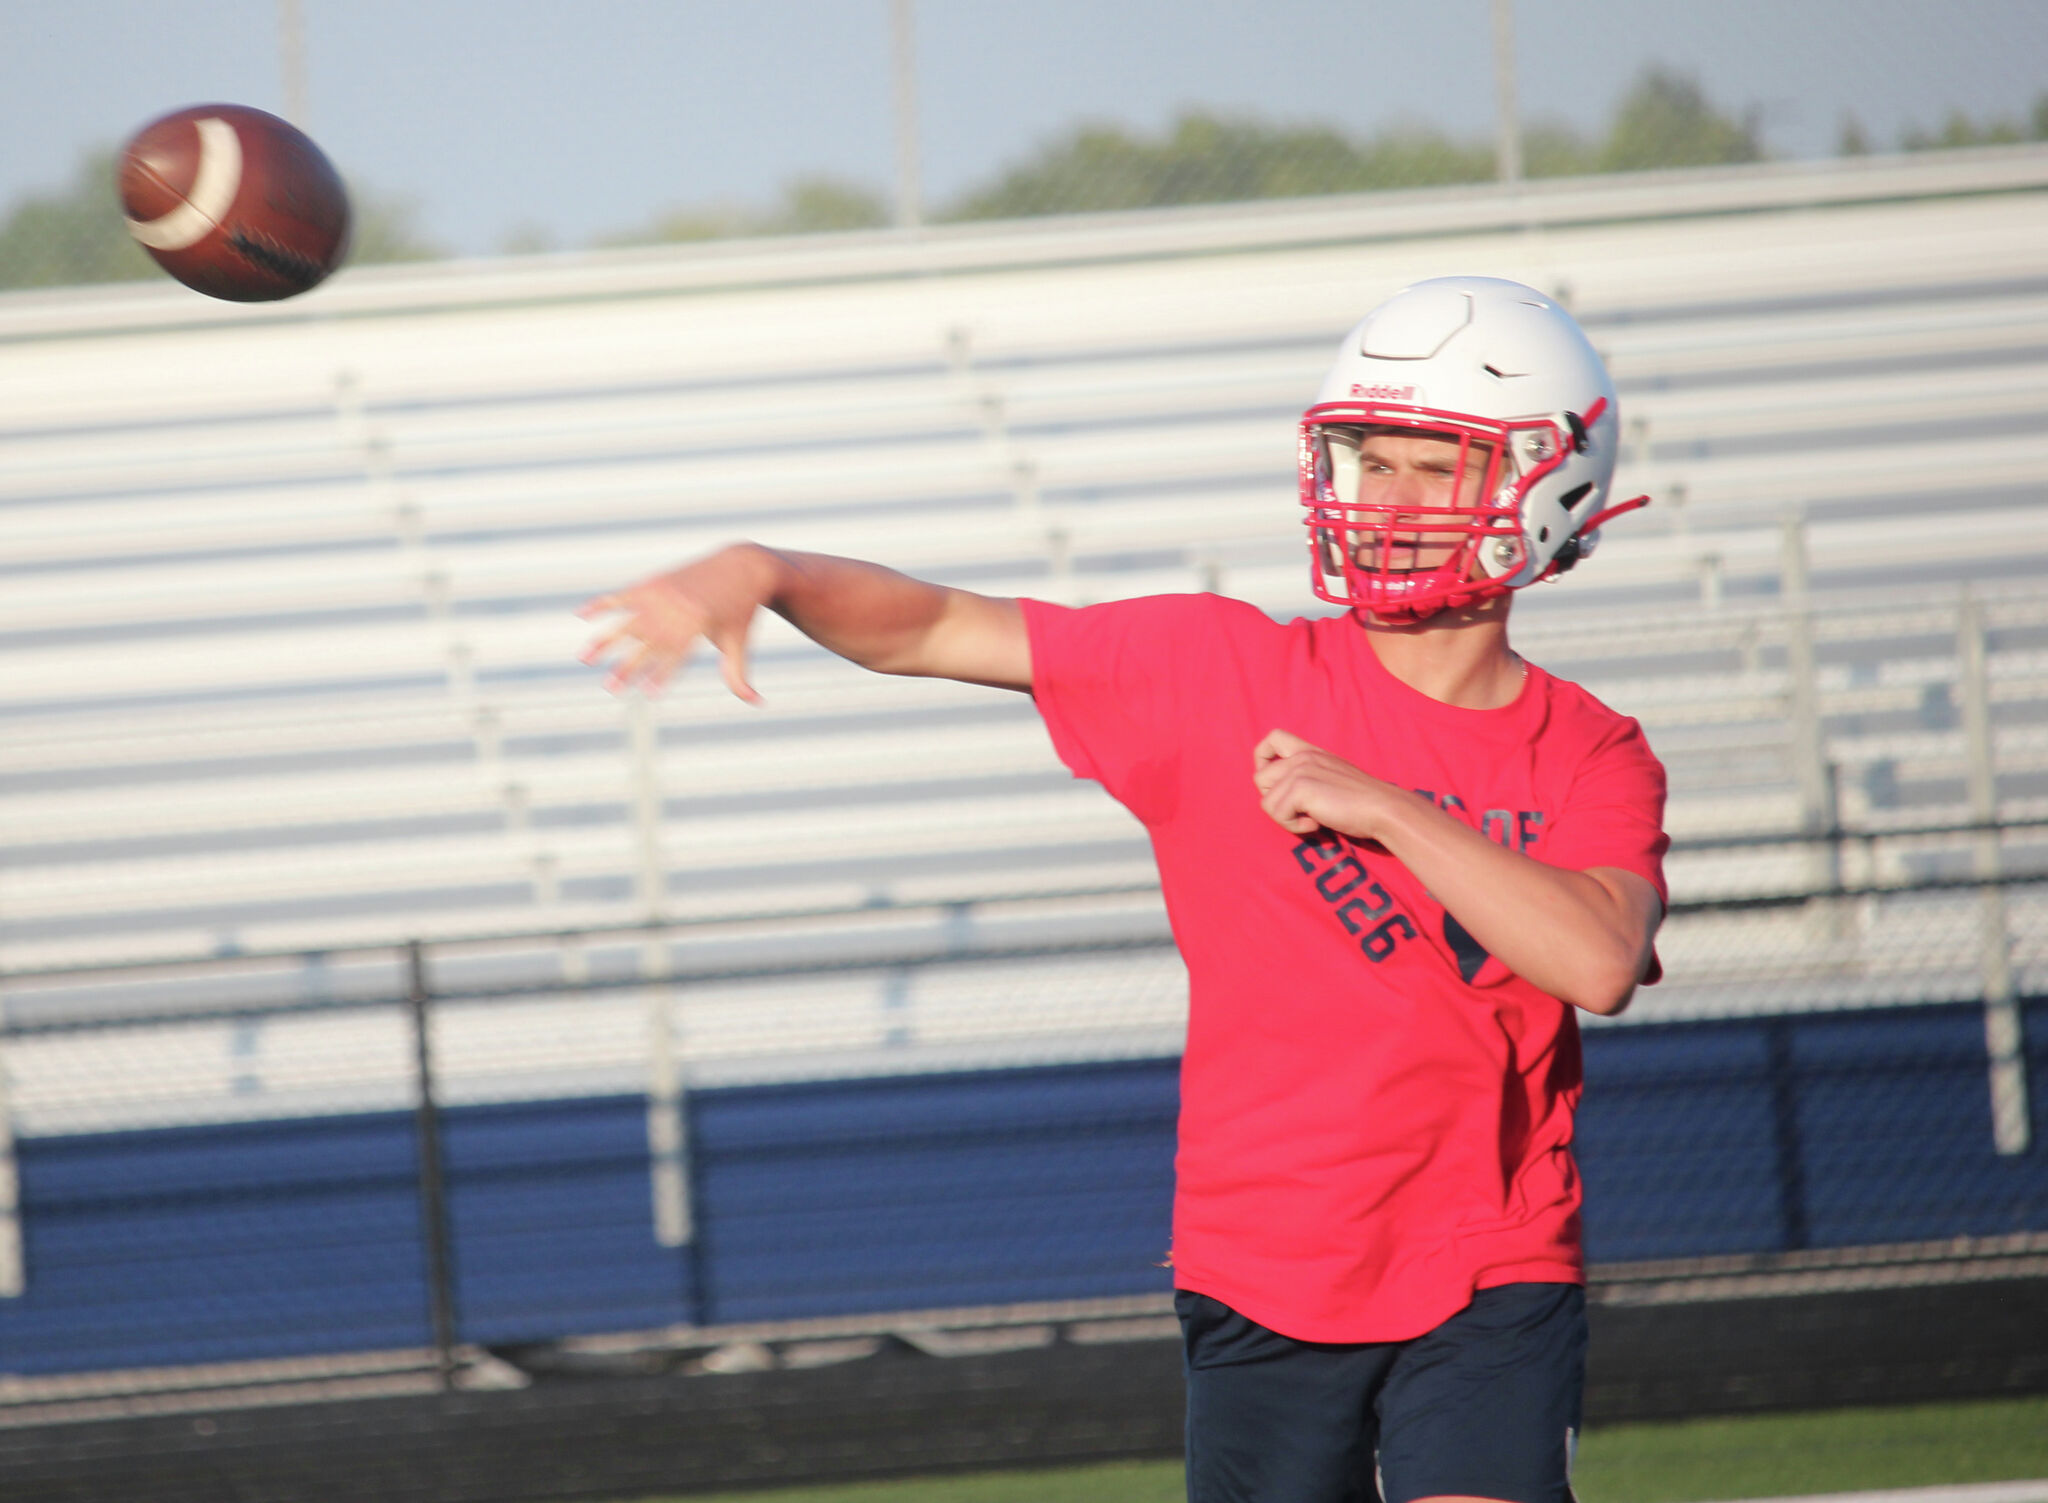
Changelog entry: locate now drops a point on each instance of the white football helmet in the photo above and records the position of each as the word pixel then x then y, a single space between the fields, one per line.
pixel 1506 375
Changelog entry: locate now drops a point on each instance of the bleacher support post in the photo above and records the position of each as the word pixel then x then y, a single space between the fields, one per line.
pixel 1711 570
pixel 1788 1150
pixel 667 1145
pixel 440 1268
pixel 1810 766
pixel 2003 1038
pixel 13 1266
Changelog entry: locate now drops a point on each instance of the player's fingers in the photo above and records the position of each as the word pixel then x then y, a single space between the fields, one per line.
pixel 732 666
pixel 1269 776
pixel 630 667
pixel 601 644
pixel 1279 801
pixel 660 671
pixel 597 605
pixel 1281 743
pixel 1269 770
pixel 1294 821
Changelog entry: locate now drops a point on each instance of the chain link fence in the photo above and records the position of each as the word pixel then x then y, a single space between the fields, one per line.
pixel 505 1143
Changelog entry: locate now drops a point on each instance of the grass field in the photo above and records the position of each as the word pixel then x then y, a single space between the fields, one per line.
pixel 1690 1461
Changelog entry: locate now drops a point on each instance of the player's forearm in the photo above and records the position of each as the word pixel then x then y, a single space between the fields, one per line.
pixel 1564 932
pixel 892 623
pixel 864 612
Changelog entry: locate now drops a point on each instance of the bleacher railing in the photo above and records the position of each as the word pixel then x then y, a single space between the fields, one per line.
pixel 338 1197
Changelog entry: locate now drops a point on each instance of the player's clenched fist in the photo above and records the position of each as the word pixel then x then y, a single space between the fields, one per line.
pixel 714 598
pixel 1302 787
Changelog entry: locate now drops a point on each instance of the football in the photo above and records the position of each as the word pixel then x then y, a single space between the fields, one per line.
pixel 234 203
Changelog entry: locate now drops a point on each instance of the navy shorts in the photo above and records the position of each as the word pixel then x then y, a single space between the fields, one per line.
pixel 1484 1406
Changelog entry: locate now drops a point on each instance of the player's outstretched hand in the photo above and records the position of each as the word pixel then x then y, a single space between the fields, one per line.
pixel 1304 788
pixel 714 598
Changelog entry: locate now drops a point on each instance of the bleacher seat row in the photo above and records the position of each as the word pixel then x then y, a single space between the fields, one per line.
pixel 287 659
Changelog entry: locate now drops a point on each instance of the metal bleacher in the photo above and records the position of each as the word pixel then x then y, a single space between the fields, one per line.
pixel 287 658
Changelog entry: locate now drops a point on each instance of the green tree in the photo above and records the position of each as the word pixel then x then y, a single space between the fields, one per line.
pixel 1416 157
pixel 1959 130
pixel 1207 158
pixel 385 227
pixel 815 203
pixel 807 205
pixel 528 238
pixel 72 236
pixel 1553 149
pixel 681 225
pixel 1665 120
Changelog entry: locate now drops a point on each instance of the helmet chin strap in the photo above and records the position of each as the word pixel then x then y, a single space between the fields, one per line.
pixel 1605 512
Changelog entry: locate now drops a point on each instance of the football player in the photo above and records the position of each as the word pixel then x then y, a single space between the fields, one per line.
pixel 1396 857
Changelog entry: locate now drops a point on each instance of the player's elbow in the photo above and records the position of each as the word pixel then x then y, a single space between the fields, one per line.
pixel 1606 1002
pixel 1606 983
pixel 1616 953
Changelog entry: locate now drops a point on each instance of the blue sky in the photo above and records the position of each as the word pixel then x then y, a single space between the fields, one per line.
pixel 579 117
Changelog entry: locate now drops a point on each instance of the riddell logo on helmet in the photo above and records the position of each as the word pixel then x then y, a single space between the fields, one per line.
pixel 1385 393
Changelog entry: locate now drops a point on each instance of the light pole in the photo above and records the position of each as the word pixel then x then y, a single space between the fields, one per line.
pixel 903 57
pixel 1507 144
pixel 291 55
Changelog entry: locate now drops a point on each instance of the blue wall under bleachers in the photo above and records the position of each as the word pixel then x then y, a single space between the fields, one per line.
pixel 216 1243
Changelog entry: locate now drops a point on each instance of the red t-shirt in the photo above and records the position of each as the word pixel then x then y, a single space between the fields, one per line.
pixel 1376 1116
